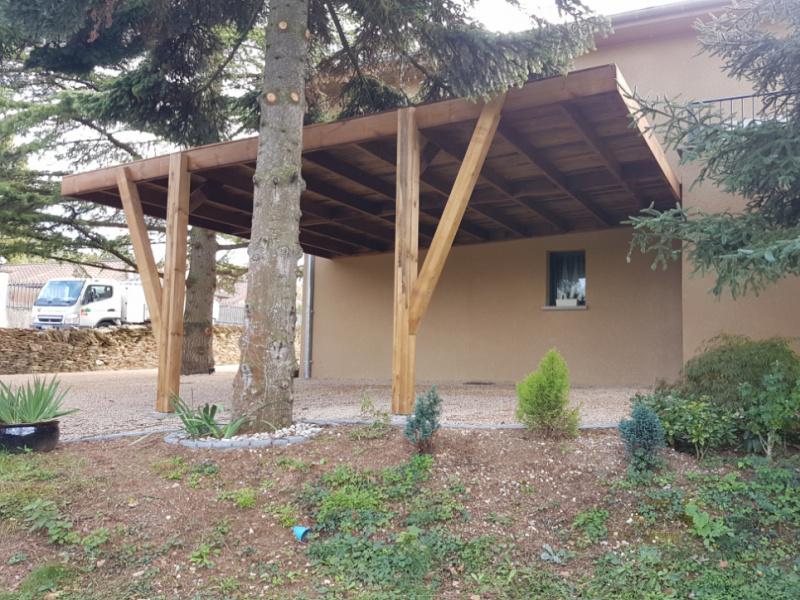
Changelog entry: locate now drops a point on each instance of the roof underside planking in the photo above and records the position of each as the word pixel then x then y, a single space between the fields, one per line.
pixel 566 158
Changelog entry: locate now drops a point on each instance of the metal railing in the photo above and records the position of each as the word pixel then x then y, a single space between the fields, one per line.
pixel 19 303
pixel 749 108
pixel 231 315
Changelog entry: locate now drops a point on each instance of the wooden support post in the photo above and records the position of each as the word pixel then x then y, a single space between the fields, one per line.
pixel 462 190
pixel 142 250
pixel 405 260
pixel 174 293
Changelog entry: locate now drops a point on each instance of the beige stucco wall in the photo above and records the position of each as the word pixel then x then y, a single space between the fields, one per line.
pixel 486 320
pixel 672 67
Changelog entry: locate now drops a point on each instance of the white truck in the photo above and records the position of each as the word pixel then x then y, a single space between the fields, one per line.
pixel 64 303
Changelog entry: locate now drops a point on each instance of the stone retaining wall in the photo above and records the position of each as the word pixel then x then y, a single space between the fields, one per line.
pixel 64 350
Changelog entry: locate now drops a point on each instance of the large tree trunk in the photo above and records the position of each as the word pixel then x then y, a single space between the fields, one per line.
pixel 201 283
pixel 263 386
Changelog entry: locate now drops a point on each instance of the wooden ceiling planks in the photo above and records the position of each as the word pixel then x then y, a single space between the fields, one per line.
pixel 567 157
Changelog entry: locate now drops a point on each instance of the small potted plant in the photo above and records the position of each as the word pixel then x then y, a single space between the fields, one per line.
pixel 29 415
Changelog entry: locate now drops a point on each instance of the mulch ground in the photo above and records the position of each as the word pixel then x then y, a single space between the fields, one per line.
pixel 517 486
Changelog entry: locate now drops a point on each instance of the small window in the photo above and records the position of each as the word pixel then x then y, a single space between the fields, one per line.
pixel 95 293
pixel 567 279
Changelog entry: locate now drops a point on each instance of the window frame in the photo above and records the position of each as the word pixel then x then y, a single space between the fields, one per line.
pixel 85 300
pixel 550 299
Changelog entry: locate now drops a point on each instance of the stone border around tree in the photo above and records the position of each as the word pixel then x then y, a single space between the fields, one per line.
pixel 181 439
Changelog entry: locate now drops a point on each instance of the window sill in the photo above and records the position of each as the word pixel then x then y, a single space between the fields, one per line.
pixel 565 308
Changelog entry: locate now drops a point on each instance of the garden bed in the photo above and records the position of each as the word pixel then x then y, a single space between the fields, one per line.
pixel 492 514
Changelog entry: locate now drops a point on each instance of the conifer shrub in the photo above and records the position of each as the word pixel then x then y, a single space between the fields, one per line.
pixel 424 422
pixel 543 398
pixel 643 436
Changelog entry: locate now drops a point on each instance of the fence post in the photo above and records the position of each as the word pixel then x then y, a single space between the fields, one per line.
pixel 3 300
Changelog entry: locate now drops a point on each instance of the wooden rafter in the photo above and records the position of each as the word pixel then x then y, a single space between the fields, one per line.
pixel 363 207
pixel 587 132
pixel 503 187
pixel 384 189
pixel 443 189
pixel 538 160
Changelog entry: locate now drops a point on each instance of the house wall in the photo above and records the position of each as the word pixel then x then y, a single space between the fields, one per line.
pixel 486 320
pixel 670 65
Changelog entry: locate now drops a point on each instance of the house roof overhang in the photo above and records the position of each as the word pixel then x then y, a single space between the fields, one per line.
pixel 567 157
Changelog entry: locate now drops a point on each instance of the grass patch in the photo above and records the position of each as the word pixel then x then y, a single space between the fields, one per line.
pixel 44 579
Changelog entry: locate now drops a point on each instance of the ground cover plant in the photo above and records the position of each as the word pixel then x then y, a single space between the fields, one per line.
pixel 489 515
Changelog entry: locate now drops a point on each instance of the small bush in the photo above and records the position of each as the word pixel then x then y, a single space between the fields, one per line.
pixel 543 398
pixel 643 436
pixel 772 409
pixel 691 422
pixel 728 361
pixel 379 422
pixel 421 425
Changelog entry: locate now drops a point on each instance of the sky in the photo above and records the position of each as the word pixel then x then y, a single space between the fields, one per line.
pixel 500 16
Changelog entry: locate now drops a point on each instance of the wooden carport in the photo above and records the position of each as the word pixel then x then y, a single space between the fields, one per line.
pixel 557 155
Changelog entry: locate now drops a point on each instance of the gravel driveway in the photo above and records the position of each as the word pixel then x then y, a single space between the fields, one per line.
pixel 114 401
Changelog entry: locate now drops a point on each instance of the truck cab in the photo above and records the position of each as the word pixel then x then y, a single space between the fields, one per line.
pixel 79 303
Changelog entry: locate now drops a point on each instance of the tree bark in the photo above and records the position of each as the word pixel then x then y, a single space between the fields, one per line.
pixel 198 332
pixel 263 385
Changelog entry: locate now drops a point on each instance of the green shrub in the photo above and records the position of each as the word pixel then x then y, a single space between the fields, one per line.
pixel 543 398
pixel 728 361
pixel 643 436
pixel 691 422
pixel 773 408
pixel 421 425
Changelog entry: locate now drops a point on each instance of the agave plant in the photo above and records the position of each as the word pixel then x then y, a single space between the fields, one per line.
pixel 34 402
pixel 202 422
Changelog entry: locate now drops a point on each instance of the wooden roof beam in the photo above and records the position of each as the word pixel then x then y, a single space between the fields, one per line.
pixel 575 117
pixel 443 190
pixel 363 207
pixel 555 177
pixel 503 187
pixel 380 187
pixel 336 243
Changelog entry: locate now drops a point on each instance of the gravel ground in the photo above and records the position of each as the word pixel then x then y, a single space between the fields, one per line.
pixel 114 401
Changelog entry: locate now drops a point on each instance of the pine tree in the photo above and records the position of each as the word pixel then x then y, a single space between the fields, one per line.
pixel 150 67
pixel 751 249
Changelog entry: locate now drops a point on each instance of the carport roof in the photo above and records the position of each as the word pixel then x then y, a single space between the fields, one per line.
pixel 567 157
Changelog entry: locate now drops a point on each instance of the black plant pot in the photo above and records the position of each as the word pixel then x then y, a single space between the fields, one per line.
pixel 39 437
